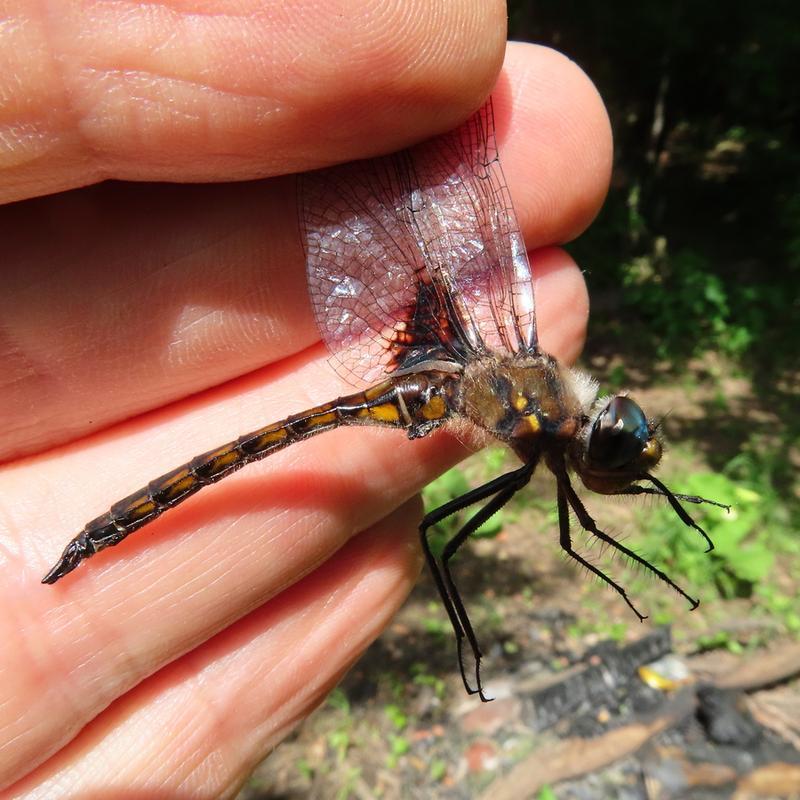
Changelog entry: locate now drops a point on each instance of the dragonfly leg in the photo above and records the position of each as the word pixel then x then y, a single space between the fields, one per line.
pixel 503 488
pixel 687 498
pixel 674 500
pixel 588 524
pixel 565 539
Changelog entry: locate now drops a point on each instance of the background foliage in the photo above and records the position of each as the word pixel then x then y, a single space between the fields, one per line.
pixel 698 246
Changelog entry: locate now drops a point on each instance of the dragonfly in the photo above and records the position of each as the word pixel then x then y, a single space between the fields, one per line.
pixel 422 289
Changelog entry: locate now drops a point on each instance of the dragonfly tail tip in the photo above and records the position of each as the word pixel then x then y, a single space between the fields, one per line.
pixel 70 558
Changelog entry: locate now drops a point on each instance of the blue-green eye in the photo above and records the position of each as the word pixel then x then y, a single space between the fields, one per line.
pixel 618 435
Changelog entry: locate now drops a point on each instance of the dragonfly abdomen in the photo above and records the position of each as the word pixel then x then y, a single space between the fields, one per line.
pixel 404 403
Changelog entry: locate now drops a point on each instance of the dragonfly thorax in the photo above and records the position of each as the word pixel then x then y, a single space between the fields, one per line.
pixel 531 402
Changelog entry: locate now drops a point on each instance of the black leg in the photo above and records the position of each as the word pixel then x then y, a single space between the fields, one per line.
pixel 504 488
pixel 687 498
pixel 475 496
pixel 678 508
pixel 485 513
pixel 565 539
pixel 590 525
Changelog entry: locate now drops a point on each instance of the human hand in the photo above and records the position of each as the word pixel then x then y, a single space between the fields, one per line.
pixel 144 323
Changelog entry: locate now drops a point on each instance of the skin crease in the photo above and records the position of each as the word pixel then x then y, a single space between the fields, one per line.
pixel 142 324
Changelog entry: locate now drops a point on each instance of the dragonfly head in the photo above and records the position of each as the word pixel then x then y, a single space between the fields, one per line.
pixel 618 446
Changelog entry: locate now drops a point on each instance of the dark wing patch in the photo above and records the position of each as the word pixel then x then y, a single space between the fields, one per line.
pixel 417 255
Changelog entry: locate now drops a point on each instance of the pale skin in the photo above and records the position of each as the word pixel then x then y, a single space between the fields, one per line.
pixel 143 323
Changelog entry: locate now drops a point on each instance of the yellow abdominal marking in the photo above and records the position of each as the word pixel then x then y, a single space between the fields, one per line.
pixel 142 510
pixel 268 437
pixel 321 419
pixel 225 459
pixel 434 408
pixel 376 391
pixel 385 412
pixel 519 402
pixel 180 486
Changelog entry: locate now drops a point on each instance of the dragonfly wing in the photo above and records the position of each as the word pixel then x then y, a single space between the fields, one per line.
pixel 417 255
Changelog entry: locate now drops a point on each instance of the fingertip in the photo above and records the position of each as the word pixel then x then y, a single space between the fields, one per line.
pixel 405 74
pixel 239 91
pixel 555 137
pixel 562 303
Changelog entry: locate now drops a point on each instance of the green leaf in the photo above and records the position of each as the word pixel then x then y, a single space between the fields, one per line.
pixel 396 716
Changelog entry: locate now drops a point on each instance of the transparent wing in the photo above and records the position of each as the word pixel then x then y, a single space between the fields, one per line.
pixel 417 255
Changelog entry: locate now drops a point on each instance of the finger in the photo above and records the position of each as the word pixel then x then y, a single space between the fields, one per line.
pixel 73 648
pixel 274 666
pixel 152 92
pixel 562 318
pixel 559 177
pixel 121 298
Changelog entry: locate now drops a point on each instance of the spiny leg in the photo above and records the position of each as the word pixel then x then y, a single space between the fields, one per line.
pixel 687 498
pixel 565 539
pixel 590 525
pixel 462 625
pixel 452 546
pixel 679 509
pixel 432 518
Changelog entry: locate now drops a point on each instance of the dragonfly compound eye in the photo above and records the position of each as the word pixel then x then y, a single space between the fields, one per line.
pixel 619 434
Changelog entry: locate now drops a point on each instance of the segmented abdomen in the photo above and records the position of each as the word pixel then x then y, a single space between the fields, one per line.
pixel 400 404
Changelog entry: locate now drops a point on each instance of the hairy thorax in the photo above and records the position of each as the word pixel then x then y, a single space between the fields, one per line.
pixel 531 402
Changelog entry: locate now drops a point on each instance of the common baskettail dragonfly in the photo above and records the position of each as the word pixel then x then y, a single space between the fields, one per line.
pixel 422 289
